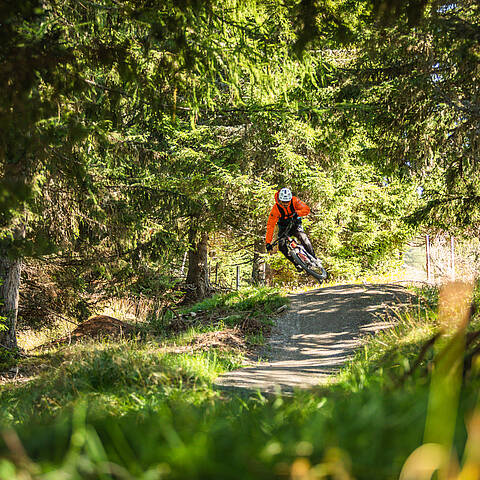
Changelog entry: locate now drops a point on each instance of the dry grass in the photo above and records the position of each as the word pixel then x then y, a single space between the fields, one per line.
pixel 31 339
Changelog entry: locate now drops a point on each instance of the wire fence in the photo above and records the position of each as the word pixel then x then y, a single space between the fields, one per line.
pixel 226 276
pixel 440 257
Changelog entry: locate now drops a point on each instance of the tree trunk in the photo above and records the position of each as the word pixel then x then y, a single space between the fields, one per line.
pixel 15 176
pixel 10 272
pixel 258 268
pixel 197 281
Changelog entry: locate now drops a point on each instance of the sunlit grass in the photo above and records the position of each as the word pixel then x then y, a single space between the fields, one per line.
pixel 29 339
pixel 263 299
pixel 109 373
pixel 124 375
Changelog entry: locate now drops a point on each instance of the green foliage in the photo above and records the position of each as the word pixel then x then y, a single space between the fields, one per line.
pixel 284 271
pixel 264 441
pixel 364 229
pixel 8 359
pixel 140 127
pixel 416 92
pixel 369 433
pixel 153 124
pixel 388 357
pixel 109 376
pixel 128 129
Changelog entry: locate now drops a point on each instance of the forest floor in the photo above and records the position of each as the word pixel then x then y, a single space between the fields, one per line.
pixel 318 333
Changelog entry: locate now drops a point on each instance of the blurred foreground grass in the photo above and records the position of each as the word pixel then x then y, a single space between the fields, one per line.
pixel 130 411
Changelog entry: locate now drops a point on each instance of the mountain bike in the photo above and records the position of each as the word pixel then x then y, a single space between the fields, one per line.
pixel 313 266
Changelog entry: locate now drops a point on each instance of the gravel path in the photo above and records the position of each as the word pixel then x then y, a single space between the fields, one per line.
pixel 316 335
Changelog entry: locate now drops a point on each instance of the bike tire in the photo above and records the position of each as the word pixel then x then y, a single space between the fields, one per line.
pixel 318 273
pixel 298 260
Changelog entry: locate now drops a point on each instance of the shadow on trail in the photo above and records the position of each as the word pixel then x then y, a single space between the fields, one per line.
pixel 320 332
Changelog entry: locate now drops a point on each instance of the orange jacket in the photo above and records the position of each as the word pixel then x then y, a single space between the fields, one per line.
pixel 278 211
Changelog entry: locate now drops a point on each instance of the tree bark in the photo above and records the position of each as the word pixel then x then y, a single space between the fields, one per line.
pixel 10 275
pixel 15 177
pixel 197 281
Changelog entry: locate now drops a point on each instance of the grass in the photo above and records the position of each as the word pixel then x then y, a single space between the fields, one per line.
pixel 249 309
pixel 29 339
pixel 261 302
pixel 393 353
pixel 387 356
pixel 364 435
pixel 260 438
pixel 113 378
pixel 131 411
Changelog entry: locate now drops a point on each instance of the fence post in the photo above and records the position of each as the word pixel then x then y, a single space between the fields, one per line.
pixel 183 263
pixel 452 258
pixel 238 276
pixel 429 266
pixel 207 273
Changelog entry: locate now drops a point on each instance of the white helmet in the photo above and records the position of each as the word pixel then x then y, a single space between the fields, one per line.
pixel 285 195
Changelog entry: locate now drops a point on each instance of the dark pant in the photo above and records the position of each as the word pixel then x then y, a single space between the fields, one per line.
pixel 297 232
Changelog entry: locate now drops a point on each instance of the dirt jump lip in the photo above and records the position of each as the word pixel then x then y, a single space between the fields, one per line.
pixel 320 331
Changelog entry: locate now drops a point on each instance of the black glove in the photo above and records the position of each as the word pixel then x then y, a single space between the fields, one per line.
pixel 269 247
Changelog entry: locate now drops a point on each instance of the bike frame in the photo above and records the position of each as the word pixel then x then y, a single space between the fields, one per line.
pixel 298 249
pixel 300 256
pixel 294 246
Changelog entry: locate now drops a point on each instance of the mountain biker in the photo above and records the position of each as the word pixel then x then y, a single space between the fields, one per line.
pixel 286 208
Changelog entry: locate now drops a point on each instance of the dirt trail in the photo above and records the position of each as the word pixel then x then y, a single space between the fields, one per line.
pixel 317 334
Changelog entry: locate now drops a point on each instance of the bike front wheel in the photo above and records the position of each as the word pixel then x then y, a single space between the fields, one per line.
pixel 316 271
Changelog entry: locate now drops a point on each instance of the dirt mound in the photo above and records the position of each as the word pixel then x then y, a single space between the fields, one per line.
pixel 101 326
pixel 226 340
